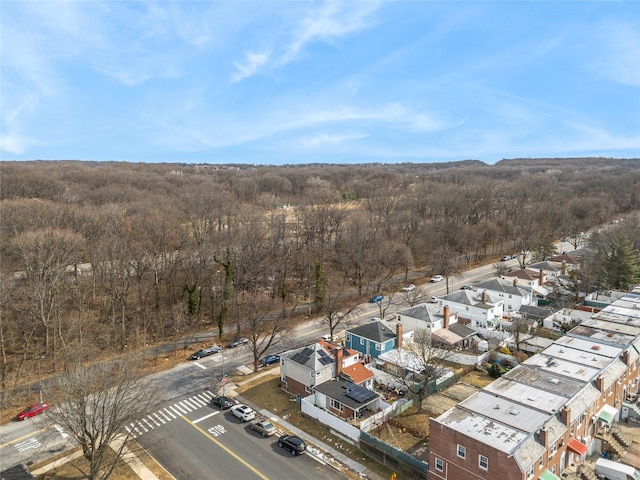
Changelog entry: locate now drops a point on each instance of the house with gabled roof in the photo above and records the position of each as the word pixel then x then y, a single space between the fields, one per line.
pixel 427 316
pixel 371 339
pixel 302 369
pixel 514 295
pixel 477 309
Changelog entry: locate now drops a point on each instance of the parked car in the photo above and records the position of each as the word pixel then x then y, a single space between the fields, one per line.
pixel 263 427
pixel 238 342
pixel 434 299
pixel 466 287
pixel 507 257
pixel 243 412
pixel 409 288
pixel 32 411
pixel 376 299
pixel 205 352
pixel 329 338
pixel 222 402
pixel 270 360
pixel 292 443
pixel 436 278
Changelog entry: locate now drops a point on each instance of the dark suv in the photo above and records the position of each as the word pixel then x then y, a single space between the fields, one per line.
pixel 222 402
pixel 294 444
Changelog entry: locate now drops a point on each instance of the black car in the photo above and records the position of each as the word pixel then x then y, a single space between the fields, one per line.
pixel 222 402
pixel 205 352
pixel 292 443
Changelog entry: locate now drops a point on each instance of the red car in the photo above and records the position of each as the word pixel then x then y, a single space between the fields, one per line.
pixel 32 411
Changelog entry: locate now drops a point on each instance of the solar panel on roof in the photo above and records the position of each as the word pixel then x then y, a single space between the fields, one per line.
pixel 300 357
pixel 326 360
pixel 358 393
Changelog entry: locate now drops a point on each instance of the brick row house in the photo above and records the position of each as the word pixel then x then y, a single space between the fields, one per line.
pixel 548 412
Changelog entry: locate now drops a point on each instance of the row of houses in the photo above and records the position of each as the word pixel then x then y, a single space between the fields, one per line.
pixel 549 412
pixel 541 416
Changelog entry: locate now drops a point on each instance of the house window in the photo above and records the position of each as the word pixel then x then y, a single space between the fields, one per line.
pixel 308 389
pixel 336 405
pixel 439 464
pixel 377 346
pixel 483 462
pixel 362 341
pixel 462 451
pixel 348 337
pixel 530 471
pixel 541 462
pixel 314 374
pixel 553 469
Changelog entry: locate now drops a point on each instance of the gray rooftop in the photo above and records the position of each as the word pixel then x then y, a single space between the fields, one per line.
pixel 377 331
pixel 506 411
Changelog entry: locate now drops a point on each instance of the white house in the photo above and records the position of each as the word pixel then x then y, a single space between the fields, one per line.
pixel 480 309
pixel 514 296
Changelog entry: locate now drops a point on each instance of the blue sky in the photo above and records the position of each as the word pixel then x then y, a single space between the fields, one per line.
pixel 268 82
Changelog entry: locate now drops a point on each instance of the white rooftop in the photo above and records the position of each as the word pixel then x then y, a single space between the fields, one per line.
pixel 483 429
pixel 563 367
pixel 527 395
pixel 588 346
pixel 589 358
pixel 505 411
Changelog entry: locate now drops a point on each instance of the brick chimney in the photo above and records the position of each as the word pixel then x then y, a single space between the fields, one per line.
pixel 600 383
pixel 544 437
pixel 626 358
pixel 339 359
pixel 446 316
pixel 541 277
pixel 485 297
pixel 565 414
pixel 398 335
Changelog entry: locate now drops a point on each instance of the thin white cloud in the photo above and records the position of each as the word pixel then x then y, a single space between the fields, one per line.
pixel 333 20
pixel 253 62
pixel 320 140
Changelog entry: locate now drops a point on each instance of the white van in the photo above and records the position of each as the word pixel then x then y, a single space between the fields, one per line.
pixel 611 470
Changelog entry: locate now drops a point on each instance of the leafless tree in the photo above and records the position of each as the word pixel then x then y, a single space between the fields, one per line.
pixel 96 403
pixel 419 363
pixel 335 312
pixel 265 327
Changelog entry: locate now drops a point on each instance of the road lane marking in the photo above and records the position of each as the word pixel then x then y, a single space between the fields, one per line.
pixel 226 449
pixel 200 365
pixel 205 417
pixel 26 436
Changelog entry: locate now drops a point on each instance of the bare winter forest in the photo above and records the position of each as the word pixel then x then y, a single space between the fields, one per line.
pixel 107 257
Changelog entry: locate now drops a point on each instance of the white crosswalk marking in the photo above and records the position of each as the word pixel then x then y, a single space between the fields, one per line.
pixel 165 415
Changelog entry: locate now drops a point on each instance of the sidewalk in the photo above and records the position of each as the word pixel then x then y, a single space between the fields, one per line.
pixel 330 451
pixel 138 467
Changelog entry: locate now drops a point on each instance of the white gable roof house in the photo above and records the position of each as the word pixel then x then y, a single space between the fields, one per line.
pixel 514 295
pixel 426 316
pixel 479 309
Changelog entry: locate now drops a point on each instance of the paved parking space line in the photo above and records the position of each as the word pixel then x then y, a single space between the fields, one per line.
pixel 205 417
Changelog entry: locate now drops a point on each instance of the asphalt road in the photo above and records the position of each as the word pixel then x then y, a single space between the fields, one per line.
pixel 178 443
pixel 209 443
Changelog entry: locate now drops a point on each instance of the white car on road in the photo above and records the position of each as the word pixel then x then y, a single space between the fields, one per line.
pixel 409 288
pixel 243 412
pixel 436 278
